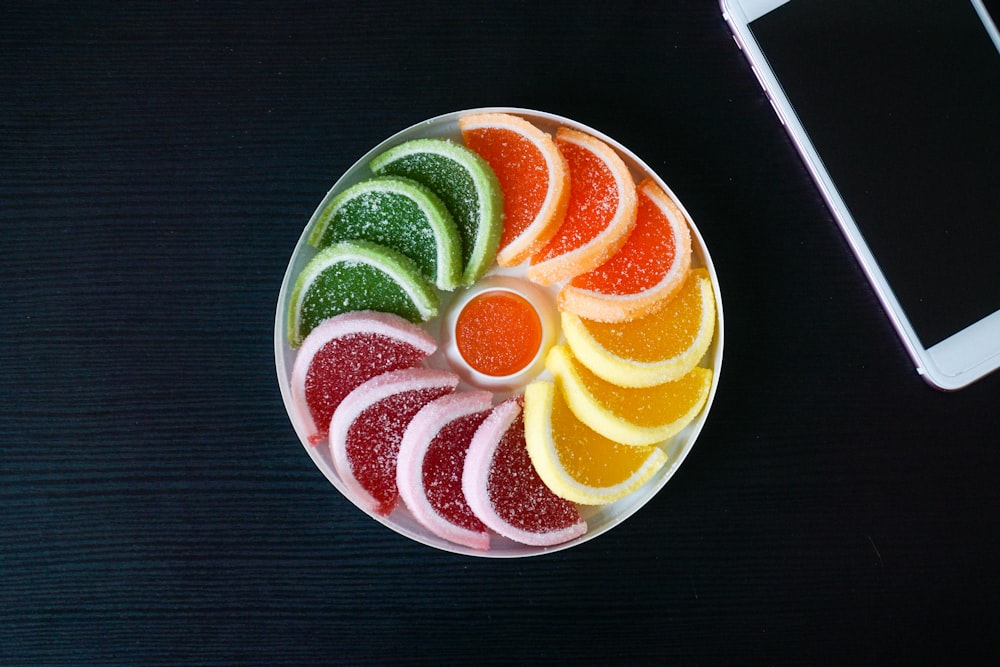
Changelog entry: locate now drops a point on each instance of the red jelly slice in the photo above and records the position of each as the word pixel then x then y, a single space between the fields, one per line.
pixel 504 490
pixel 344 352
pixel 368 426
pixel 431 461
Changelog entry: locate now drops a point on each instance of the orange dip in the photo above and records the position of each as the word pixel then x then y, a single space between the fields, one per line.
pixel 498 333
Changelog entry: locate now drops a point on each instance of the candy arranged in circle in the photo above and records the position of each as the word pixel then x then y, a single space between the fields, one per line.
pixel 625 249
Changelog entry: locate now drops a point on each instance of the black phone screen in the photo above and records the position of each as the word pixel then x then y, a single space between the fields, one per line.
pixel 902 103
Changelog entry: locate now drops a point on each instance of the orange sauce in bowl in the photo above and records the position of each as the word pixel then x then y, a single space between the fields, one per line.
pixel 498 333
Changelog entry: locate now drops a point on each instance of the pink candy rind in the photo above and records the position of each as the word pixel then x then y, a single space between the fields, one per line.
pixel 418 437
pixel 364 321
pixel 475 481
pixel 364 396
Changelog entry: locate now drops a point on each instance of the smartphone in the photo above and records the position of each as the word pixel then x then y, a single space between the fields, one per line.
pixel 894 107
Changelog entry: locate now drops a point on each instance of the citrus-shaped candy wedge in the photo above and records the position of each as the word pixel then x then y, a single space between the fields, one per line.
pixel 345 351
pixel 465 183
pixel 574 461
pixel 367 427
pixel 631 416
pixel 533 177
pixel 600 214
pixel 651 350
pixel 357 275
pixel 503 489
pixel 431 462
pixel 647 271
pixel 401 214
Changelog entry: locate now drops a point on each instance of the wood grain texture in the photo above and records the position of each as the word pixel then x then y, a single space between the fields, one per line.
pixel 157 166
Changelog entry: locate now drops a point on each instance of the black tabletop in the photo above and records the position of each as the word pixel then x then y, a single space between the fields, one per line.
pixel 157 166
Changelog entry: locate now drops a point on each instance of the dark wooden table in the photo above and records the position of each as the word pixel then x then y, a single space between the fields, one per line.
pixel 157 166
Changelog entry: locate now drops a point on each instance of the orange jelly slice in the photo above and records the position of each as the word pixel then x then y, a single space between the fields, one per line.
pixel 498 333
pixel 663 335
pixel 533 177
pixel 600 214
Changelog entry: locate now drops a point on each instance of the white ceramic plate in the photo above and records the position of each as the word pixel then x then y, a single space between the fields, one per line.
pixel 599 519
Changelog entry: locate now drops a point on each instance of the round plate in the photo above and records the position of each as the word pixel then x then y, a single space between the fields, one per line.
pixel 599 519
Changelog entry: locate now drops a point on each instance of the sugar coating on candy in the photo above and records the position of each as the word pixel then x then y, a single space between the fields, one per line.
pixel 654 349
pixel 443 464
pixel 516 492
pixel 342 364
pixel 576 462
pixel 628 415
pixel 431 461
pixel 504 490
pixel 387 218
pixel 368 426
pixel 449 181
pixel 589 457
pixel 533 178
pixel 645 273
pixel 649 252
pixel 344 352
pixel 373 443
pixel 600 214
pixel 397 213
pixel 353 285
pixel 593 197
pixel 467 186
pixel 663 334
pixel 524 178
pixel 357 275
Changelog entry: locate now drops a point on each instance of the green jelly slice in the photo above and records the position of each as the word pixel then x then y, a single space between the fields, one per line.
pixel 358 275
pixel 401 214
pixel 465 182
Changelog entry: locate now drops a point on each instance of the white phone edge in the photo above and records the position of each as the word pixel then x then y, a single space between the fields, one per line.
pixel 962 358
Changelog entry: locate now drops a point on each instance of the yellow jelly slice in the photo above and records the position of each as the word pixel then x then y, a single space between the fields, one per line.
pixel 631 416
pixel 651 350
pixel 574 461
